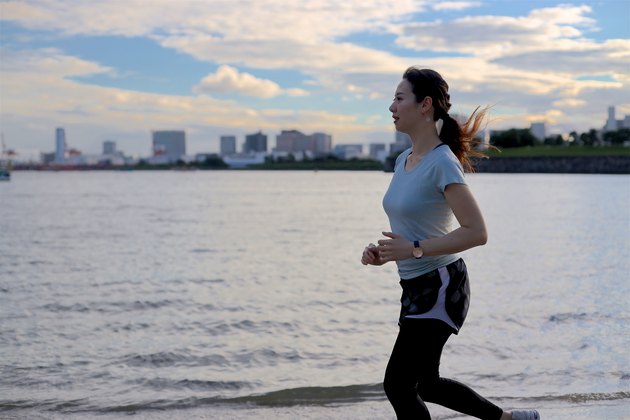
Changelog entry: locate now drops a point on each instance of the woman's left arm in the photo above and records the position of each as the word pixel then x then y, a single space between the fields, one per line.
pixel 470 233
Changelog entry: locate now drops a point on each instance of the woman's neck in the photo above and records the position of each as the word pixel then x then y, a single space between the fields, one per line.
pixel 423 141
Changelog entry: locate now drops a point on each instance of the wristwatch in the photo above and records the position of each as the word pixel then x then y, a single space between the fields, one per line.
pixel 417 251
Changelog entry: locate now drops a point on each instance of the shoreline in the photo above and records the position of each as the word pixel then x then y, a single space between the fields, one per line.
pixel 612 164
pixel 374 409
pixel 555 165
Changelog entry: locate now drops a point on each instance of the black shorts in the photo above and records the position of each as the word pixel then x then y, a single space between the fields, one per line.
pixel 420 294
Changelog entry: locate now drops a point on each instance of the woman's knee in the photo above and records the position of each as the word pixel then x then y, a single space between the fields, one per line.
pixel 397 387
pixel 428 388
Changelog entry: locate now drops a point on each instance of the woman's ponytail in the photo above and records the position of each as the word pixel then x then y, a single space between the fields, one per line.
pixel 459 138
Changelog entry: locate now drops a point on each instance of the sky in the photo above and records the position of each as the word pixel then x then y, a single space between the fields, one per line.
pixel 118 69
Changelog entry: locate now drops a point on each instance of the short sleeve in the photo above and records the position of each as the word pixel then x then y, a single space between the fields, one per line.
pixel 449 171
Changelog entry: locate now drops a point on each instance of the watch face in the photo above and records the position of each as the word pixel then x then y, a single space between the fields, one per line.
pixel 417 252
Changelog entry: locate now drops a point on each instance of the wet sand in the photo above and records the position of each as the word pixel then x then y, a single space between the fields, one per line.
pixel 373 410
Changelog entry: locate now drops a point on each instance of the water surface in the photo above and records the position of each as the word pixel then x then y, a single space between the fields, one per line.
pixel 227 291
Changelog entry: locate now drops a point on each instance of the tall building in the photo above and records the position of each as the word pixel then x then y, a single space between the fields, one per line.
pixel 109 147
pixel 323 143
pixel 538 130
pixel 611 122
pixel 60 145
pixel 403 138
pixel 377 151
pixel 169 144
pixel 256 142
pixel 294 141
pixel 228 145
pixel 401 142
pixel 348 151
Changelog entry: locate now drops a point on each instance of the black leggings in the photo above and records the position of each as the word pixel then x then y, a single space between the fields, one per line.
pixel 413 375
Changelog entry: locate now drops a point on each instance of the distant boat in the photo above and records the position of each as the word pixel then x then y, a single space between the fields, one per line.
pixel 5 175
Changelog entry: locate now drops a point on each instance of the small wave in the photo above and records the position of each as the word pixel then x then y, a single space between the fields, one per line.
pixel 203 250
pixel 196 385
pixel 586 397
pixel 167 359
pixel 266 357
pixel 303 396
pixel 105 307
pixel 58 307
pixel 569 316
pixel 146 304
pixel 315 395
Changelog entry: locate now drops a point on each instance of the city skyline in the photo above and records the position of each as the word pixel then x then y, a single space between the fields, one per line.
pixel 119 70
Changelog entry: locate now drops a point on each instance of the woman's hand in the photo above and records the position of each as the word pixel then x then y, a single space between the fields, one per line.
pixel 371 256
pixel 394 249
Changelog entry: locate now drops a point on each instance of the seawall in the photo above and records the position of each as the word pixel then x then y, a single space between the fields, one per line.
pixel 555 164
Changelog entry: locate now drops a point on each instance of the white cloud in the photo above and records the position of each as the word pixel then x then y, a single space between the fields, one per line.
pixel 455 5
pixel 569 103
pixel 525 64
pixel 228 80
pixel 38 95
pixel 556 28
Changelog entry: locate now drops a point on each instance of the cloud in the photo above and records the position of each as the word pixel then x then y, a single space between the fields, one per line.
pixel 53 60
pixel 493 37
pixel 38 95
pixel 524 64
pixel 228 80
pixel 455 5
pixel 272 34
pixel 569 103
pixel 310 21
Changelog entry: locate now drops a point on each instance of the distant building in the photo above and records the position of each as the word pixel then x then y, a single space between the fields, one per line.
pixel 169 146
pixel 378 151
pixel 295 142
pixel 109 147
pixel 228 145
pixel 323 143
pixel 256 142
pixel 203 157
pixel 243 160
pixel 613 124
pixel 60 145
pixel 538 130
pixel 348 151
pixel 398 146
pixel 47 158
pixel 401 142
pixel 402 138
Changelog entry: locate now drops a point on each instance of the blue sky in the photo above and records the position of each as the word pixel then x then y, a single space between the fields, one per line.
pixel 117 69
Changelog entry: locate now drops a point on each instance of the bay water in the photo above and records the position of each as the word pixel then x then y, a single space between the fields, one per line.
pixel 240 294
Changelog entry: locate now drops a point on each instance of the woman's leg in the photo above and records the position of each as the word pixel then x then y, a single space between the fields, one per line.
pixel 412 375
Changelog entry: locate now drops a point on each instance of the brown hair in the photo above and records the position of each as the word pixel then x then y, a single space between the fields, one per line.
pixel 460 138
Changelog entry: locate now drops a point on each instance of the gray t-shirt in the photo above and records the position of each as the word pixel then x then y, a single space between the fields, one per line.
pixel 417 208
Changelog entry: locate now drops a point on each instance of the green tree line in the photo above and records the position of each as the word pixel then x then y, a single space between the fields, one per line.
pixel 522 137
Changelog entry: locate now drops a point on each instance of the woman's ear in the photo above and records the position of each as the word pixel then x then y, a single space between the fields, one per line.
pixel 427 103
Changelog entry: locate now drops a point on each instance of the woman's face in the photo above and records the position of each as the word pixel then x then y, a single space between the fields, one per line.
pixel 405 110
